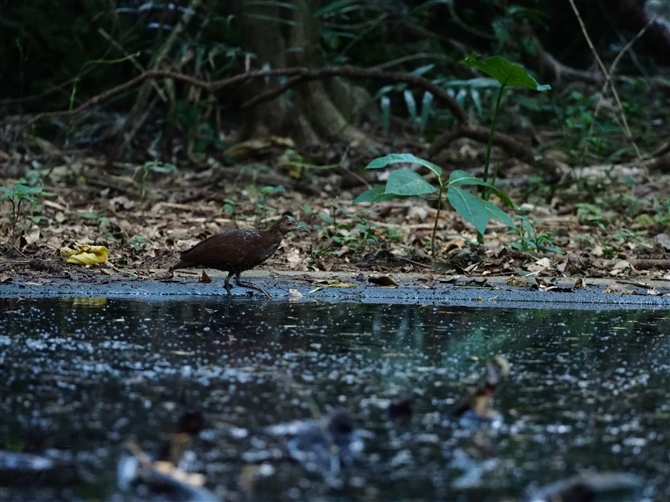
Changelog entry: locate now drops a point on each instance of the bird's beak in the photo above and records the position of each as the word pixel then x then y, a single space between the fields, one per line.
pixel 302 229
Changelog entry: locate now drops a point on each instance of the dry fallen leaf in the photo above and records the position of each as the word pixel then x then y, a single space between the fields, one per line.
pixel 295 260
pixel 515 281
pixel 580 283
pixel 294 294
pixel 334 283
pixel 539 265
pixel 664 241
pixel 205 278
pixel 120 203
pixel 85 255
pixel 383 280
pixel 618 289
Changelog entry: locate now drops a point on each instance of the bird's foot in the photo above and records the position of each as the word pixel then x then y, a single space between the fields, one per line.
pixel 254 287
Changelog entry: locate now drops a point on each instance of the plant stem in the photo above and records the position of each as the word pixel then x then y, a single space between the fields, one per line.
pixel 437 218
pixel 14 218
pixel 491 133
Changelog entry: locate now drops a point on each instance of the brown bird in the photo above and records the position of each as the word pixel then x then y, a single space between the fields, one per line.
pixel 238 250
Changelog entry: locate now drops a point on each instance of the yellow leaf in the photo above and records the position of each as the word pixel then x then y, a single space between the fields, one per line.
pixel 295 170
pixel 334 283
pixel 85 255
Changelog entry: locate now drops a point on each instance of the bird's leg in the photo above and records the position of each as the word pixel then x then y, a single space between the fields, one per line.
pixel 227 283
pixel 238 282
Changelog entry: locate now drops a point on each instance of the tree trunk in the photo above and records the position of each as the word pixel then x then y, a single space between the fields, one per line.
pixel 284 37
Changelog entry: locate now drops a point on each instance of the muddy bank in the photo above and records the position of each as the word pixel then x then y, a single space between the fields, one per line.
pixel 350 287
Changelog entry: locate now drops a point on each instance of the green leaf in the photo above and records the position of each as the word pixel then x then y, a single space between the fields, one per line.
pixel 469 207
pixel 475 210
pixel 395 158
pixel 504 198
pixel 164 169
pixel 32 190
pixel 473 83
pixel 376 194
pixel 422 69
pixel 326 218
pixel 386 113
pixel 408 183
pixel 463 178
pixel 505 72
pixel 426 104
pixel 411 105
pixel 333 8
pixel 497 214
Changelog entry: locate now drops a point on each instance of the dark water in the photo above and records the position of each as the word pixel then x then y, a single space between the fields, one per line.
pixel 588 392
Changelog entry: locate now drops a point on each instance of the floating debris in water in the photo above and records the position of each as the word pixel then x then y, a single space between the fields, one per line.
pixel 147 477
pixel 612 486
pixel 402 410
pixel 476 409
pixel 25 469
pixel 327 446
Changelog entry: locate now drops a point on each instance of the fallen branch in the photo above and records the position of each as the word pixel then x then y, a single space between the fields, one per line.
pixel 301 74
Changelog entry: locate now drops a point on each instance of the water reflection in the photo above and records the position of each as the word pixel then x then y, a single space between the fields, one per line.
pixel 587 391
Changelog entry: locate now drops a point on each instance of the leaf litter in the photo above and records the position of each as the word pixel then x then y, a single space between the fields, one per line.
pixel 145 235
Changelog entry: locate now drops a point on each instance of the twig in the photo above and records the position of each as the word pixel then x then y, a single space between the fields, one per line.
pixel 126 133
pixel 132 59
pixel 626 129
pixel 406 59
pixel 402 258
pixel 613 66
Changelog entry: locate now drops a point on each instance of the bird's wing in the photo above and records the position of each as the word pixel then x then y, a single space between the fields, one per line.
pixel 231 248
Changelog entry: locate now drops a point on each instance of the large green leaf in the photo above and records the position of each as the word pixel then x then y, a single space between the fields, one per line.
pixel 404 182
pixel 469 207
pixel 497 214
pixel 376 194
pixel 504 198
pixel 463 178
pixel 475 210
pixel 505 72
pixel 395 158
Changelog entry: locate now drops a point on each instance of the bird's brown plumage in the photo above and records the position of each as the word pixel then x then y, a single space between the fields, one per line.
pixel 238 250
